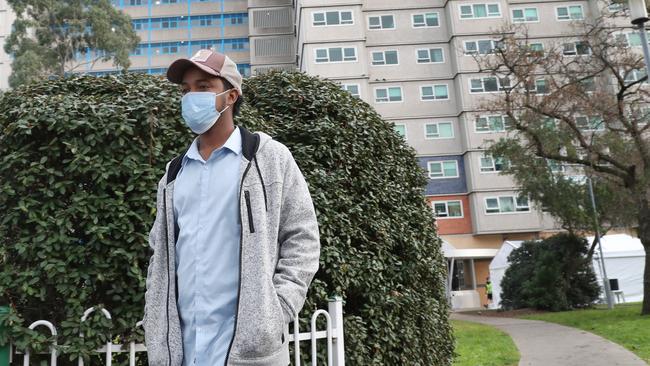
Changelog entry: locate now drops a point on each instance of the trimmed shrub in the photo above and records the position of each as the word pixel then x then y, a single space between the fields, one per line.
pixel 80 161
pixel 553 274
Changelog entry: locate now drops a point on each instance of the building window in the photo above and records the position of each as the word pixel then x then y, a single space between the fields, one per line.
pixel 630 39
pixel 575 49
pixel 537 86
pixel 443 169
pixel 525 15
pixel 573 12
pixel 168 49
pixel 381 22
pixel 167 23
pixel 481 47
pixel 489 164
pixel 434 92
pixel 336 54
pixel 236 20
pixel 592 123
pixel 506 204
pixel 476 11
pixel 387 95
pixel 634 75
pixel 400 128
pixel 491 124
pixel 328 18
pixel 438 130
pixel 382 58
pixel 425 20
pixel 555 166
pixel 488 84
pixel 352 89
pixel 447 209
pixel 135 2
pixel 431 55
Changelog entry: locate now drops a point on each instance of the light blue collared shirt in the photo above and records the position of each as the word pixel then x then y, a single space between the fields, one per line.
pixel 206 207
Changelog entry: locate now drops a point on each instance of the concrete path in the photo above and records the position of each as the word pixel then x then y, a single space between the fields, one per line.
pixel 548 344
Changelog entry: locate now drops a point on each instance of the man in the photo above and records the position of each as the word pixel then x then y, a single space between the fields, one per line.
pixel 488 291
pixel 235 240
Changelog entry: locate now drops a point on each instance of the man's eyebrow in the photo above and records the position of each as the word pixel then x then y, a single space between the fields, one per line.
pixel 196 81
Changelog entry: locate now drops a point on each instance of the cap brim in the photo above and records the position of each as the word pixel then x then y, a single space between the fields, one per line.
pixel 177 69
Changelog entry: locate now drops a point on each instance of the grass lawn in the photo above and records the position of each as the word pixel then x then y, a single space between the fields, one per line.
pixel 623 325
pixel 483 345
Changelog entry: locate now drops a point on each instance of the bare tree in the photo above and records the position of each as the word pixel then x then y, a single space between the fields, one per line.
pixel 581 102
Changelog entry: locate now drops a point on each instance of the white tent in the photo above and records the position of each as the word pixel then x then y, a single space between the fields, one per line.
pixel 624 260
pixel 498 268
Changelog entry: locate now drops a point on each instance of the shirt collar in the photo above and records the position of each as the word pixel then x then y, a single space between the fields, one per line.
pixel 233 143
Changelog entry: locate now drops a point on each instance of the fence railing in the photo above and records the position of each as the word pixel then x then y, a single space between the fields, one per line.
pixel 333 333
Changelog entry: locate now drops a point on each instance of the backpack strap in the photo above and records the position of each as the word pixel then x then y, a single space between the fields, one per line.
pixel 174 167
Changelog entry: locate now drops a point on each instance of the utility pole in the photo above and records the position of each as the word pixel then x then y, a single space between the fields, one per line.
pixel 608 290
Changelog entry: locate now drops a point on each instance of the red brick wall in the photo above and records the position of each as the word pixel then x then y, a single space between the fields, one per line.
pixel 453 225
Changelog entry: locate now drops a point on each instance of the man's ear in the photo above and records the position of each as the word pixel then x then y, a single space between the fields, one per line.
pixel 232 96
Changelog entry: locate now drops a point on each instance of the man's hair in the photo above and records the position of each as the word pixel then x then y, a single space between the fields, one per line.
pixel 235 108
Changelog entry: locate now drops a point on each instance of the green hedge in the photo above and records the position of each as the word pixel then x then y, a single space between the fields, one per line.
pixel 553 274
pixel 80 159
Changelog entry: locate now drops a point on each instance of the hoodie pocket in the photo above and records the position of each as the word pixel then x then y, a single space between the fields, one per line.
pixel 251 225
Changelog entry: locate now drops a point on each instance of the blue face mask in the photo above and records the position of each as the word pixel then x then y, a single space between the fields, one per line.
pixel 199 110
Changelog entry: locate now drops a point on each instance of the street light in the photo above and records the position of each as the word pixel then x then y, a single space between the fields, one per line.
pixel 639 16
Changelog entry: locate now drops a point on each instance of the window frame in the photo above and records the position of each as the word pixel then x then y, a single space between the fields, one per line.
pixel 512 16
pixel 405 137
pixel 500 87
pixel 401 91
pixel 345 85
pixel 324 12
pixel 575 48
pixel 493 160
pixel 441 162
pixel 516 205
pixel 383 52
pixel 493 46
pixel 473 17
pixel 437 123
pixel 356 57
pixel 446 203
pixel 557 16
pixel 417 56
pixel 487 117
pixel 433 89
pixel 381 22
pixel 425 20
pixel 589 125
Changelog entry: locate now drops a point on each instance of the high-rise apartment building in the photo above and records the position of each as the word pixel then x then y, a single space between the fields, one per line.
pixel 413 61
pixel 256 34
pixel 6 19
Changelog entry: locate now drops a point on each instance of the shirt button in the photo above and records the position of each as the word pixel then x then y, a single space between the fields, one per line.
pixel 198 329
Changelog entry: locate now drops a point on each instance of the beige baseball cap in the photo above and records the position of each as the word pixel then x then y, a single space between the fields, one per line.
pixel 214 63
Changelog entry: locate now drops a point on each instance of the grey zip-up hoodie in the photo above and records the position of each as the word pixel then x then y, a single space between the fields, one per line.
pixel 279 255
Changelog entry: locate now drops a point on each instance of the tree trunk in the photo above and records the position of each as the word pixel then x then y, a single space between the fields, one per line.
pixel 644 236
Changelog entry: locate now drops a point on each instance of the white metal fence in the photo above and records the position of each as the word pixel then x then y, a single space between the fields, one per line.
pixel 333 334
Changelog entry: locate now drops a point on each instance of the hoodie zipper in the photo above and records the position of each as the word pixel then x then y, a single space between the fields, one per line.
pixel 251 226
pixel 241 238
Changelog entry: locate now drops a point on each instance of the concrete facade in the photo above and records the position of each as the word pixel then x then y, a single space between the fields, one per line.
pixel 6 20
